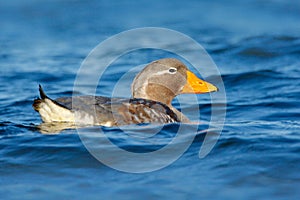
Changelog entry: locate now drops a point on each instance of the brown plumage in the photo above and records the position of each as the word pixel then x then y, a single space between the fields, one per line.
pixel 153 90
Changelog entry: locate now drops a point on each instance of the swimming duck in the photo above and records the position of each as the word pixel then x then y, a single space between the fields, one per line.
pixel 153 90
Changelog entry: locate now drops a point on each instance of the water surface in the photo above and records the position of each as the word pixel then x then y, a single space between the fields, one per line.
pixel 256 46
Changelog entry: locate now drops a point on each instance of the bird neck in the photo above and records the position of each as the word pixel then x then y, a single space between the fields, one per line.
pixel 155 92
pixel 160 94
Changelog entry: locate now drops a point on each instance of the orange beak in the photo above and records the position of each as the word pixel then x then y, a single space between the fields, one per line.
pixel 196 85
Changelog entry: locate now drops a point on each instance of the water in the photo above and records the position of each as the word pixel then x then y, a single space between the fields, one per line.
pixel 256 46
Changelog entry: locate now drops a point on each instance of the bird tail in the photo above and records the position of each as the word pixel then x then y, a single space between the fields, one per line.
pixel 38 102
pixel 50 110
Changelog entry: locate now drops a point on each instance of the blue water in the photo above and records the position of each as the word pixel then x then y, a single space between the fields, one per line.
pixel 255 44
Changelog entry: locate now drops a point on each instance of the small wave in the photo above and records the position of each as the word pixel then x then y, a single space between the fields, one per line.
pixel 261 47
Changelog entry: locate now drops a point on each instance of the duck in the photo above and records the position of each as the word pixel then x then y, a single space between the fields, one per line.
pixel 152 92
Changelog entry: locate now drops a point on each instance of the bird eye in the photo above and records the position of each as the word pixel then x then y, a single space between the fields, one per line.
pixel 172 70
